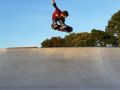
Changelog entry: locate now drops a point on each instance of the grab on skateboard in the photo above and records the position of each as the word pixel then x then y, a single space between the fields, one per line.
pixel 67 29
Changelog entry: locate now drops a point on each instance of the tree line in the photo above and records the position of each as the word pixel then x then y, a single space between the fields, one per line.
pixel 110 37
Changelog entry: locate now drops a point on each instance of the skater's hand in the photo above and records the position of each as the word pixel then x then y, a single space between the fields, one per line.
pixel 53 1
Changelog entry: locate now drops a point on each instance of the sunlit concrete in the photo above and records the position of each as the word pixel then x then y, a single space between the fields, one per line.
pixel 60 69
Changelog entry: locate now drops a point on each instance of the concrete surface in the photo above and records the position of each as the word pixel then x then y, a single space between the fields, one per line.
pixel 60 69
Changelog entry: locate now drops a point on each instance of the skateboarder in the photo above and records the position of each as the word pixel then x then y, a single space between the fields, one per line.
pixel 58 17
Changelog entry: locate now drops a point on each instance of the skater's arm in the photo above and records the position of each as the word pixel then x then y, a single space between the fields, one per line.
pixel 55 6
pixel 54 3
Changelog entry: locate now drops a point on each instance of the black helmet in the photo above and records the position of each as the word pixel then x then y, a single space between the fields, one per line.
pixel 65 13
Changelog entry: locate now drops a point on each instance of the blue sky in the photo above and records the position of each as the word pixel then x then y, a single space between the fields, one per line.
pixel 28 22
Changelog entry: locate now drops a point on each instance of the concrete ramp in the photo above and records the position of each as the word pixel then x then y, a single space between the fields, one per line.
pixel 60 69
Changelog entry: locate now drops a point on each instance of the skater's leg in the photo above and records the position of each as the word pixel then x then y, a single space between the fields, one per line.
pixel 62 24
pixel 54 25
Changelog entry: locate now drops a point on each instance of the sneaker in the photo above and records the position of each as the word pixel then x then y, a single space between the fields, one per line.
pixel 54 26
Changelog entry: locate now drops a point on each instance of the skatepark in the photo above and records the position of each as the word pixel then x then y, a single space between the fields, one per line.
pixel 60 69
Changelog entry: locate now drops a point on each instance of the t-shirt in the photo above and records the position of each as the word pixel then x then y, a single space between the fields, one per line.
pixel 57 13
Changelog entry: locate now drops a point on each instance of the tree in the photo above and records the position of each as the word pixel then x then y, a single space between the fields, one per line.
pixel 68 40
pixel 114 23
pixel 82 39
pixel 113 27
pixel 53 42
pixel 46 43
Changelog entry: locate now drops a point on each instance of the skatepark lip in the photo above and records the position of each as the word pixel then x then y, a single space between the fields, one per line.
pixel 27 47
pixel 21 47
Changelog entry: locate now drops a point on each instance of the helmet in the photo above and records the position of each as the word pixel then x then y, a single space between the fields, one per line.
pixel 65 13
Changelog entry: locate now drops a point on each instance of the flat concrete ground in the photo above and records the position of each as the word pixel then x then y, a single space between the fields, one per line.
pixel 60 69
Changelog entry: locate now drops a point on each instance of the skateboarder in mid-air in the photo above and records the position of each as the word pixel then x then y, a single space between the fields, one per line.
pixel 59 17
